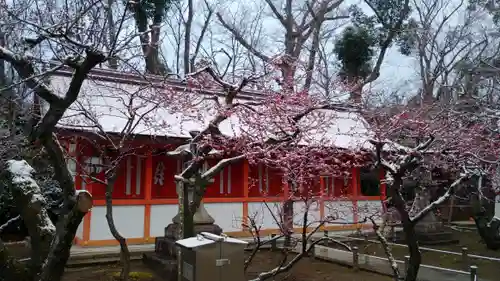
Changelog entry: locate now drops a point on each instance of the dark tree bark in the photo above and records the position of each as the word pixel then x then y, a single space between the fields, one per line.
pixel 113 60
pixel 50 245
pixel 150 45
pixel 487 225
pixel 53 269
pixel 405 166
pixel 124 251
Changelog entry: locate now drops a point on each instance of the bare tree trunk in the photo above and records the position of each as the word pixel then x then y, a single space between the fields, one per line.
pixel 288 221
pixel 8 95
pixel 53 269
pixel 287 215
pixel 150 47
pixel 113 60
pixel 408 229
pixel 124 252
pixel 487 226
pixel 414 251
pixel 187 38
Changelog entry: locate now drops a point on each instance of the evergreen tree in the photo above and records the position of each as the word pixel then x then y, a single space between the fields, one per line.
pixel 359 41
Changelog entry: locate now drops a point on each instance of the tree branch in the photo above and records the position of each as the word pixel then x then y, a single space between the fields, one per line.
pixel 393 30
pixel 237 35
pixel 432 206
pixel 9 222
pixel 276 13
pixel 43 131
pixel 386 247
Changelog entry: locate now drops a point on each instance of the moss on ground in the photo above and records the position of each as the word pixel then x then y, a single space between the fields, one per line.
pixel 135 275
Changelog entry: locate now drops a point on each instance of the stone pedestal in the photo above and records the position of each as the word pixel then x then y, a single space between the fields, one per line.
pixel 203 222
pixel 164 259
pixel 165 248
pixel 430 229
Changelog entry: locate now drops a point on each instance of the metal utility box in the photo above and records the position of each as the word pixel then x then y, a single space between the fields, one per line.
pixel 210 257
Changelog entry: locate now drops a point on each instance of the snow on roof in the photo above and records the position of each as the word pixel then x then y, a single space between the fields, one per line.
pixel 346 130
pixel 110 103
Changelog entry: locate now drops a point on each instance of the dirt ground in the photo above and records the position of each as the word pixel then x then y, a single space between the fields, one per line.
pixel 309 269
pixel 306 270
pixel 471 240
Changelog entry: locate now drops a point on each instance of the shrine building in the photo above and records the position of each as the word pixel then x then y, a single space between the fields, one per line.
pixel 144 195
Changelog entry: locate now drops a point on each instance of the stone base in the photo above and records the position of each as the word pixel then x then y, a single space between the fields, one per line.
pixel 162 266
pixel 172 230
pixel 163 261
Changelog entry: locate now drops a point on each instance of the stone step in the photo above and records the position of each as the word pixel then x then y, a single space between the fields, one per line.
pixel 161 265
pixel 90 259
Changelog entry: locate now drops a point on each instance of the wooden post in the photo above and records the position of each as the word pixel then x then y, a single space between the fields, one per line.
pixel 325 234
pixel 393 234
pixel 465 258
pixel 473 273
pixel 355 258
pixel 365 246
pixel 273 242
pixel 407 263
pixel 450 211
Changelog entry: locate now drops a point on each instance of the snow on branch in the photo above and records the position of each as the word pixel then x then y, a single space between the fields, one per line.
pixel 24 183
pixel 387 250
pixel 28 192
pixel 434 204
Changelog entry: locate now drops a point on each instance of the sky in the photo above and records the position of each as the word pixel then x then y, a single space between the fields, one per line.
pixel 398 73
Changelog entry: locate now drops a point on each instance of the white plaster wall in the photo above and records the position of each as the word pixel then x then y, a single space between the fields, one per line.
pixel 129 220
pixel 161 216
pixel 313 214
pixel 342 210
pixel 79 230
pixel 368 209
pixel 262 215
pixel 227 215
